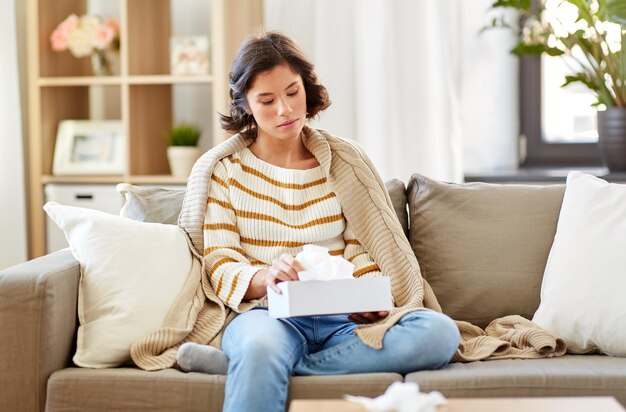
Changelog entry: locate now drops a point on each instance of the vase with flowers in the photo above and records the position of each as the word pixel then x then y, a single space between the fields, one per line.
pixel 591 46
pixel 86 36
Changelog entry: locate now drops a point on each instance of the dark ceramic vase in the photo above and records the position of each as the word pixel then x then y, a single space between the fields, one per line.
pixel 612 138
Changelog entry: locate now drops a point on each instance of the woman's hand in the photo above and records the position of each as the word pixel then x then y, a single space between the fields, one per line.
pixel 283 269
pixel 367 317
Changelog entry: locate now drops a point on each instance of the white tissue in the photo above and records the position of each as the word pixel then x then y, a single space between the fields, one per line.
pixel 320 265
pixel 401 397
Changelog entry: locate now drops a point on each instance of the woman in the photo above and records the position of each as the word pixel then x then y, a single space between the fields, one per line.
pixel 287 186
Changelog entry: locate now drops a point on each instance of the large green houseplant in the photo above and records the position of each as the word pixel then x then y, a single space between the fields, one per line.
pixel 591 47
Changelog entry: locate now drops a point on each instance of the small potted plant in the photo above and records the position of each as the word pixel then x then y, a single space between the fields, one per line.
pixel 182 152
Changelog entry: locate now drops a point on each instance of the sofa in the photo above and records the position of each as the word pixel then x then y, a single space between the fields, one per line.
pixel 482 247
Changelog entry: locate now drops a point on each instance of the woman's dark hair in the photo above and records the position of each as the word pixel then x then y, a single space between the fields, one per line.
pixel 262 53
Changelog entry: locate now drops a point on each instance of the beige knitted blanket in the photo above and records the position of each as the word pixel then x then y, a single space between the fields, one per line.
pixel 199 316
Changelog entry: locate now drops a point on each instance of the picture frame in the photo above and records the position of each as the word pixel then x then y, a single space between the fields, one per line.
pixel 189 55
pixel 90 147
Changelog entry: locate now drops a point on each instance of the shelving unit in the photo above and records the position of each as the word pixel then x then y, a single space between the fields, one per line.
pixel 140 94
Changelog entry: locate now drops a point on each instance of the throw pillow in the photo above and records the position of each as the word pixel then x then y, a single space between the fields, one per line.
pixel 581 294
pixel 397 193
pixel 160 205
pixel 156 205
pixel 483 247
pixel 131 274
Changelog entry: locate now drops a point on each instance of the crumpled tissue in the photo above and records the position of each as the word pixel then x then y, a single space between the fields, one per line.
pixel 401 397
pixel 320 265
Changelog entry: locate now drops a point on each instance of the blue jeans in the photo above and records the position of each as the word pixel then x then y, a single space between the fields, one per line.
pixel 264 352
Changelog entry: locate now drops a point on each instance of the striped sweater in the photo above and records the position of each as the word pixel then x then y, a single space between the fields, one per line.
pixel 199 315
pixel 257 211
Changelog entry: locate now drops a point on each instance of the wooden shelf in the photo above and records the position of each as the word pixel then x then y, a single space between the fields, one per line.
pixel 167 79
pixel 156 179
pixel 118 81
pixel 45 179
pixel 138 179
pixel 80 81
pixel 142 94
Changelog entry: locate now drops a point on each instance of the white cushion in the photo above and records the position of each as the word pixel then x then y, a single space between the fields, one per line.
pixel 131 273
pixel 584 284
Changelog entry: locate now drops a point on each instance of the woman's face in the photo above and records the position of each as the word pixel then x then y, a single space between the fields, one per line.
pixel 277 100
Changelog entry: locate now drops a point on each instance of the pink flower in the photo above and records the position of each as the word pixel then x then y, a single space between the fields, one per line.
pixel 112 23
pixel 102 37
pixel 69 23
pixel 59 36
pixel 58 40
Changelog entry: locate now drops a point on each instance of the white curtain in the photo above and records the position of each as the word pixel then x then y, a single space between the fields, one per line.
pixel 12 189
pixel 410 80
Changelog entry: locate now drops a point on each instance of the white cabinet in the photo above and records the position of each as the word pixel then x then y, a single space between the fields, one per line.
pixel 100 197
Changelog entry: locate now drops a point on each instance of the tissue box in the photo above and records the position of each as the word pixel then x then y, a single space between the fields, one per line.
pixel 328 297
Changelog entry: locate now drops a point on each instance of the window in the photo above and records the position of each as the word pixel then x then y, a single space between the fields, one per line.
pixel 567 112
pixel 559 124
pixel 558 131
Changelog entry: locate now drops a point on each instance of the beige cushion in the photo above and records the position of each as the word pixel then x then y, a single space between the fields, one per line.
pixel 131 274
pixel 130 389
pixel 160 205
pixel 570 375
pixel 397 193
pixel 151 204
pixel 483 247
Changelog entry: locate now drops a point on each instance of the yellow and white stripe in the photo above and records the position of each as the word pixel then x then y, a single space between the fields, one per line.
pixel 257 211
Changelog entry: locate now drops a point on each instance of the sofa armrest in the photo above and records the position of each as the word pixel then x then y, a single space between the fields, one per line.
pixel 37 327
